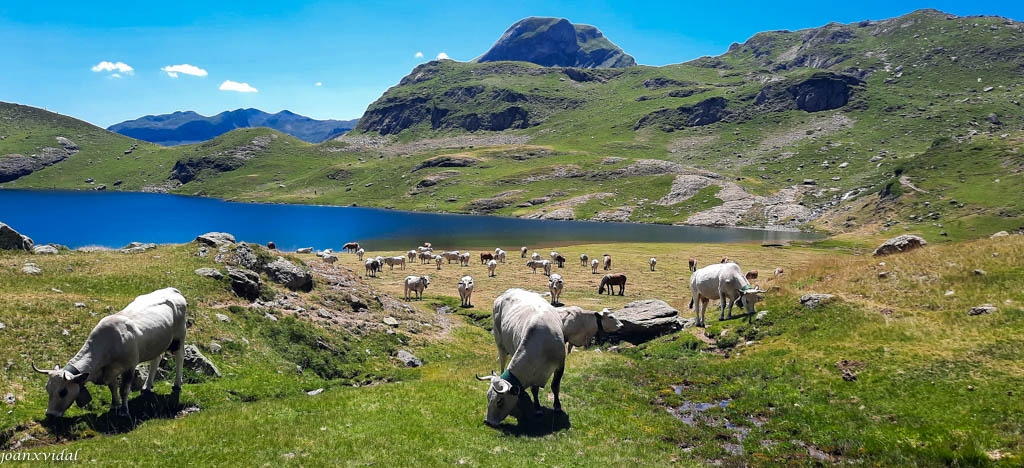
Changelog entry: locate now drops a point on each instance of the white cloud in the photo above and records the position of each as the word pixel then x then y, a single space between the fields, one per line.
pixel 116 75
pixel 319 83
pixel 120 67
pixel 229 85
pixel 443 56
pixel 419 55
pixel 173 70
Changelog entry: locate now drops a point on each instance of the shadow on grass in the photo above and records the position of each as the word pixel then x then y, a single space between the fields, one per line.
pixel 146 406
pixel 548 422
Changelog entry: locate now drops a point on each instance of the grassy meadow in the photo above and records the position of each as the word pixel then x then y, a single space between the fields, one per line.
pixel 932 385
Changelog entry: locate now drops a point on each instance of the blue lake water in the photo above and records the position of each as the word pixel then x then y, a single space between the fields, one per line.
pixel 113 219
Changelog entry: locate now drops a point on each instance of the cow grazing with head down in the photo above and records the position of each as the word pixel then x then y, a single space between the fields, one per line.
pixel 693 264
pixel 593 266
pixel 416 284
pixel 529 330
pixel 466 291
pixel 555 285
pixel 499 255
pixel 534 265
pixel 491 266
pixel 351 247
pixel 560 260
pixel 608 281
pixel 723 281
pixel 152 324
pixel 580 326
pixel 453 255
pixel 485 256
pixel 438 260
pixel 360 253
pixel 522 252
pixel 751 275
pixel 607 262
pixel 372 267
pixel 392 261
pixel 535 256
pixel 584 259
pixel 779 271
pixel 652 262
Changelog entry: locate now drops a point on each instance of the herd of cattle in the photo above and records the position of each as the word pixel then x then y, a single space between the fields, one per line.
pixel 532 336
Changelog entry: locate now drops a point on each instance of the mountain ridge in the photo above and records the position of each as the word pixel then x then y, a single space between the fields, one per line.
pixel 552 42
pixel 185 127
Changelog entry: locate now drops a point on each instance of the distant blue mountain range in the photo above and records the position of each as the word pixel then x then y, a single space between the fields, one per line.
pixel 190 127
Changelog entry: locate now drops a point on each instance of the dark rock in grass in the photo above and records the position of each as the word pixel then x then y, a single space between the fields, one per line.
pixel 44 250
pixel 137 247
pixel 981 310
pixel 409 359
pixel 290 275
pixel 118 182
pixel 245 283
pixel 904 243
pixel 216 239
pixel 642 320
pixel 142 373
pixel 811 301
pixel 196 362
pixel 14 240
pixel 210 273
pixel 993 118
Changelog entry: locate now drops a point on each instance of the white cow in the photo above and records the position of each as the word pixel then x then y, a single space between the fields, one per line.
pixel 466 290
pixel 491 265
pixel 723 281
pixel 584 259
pixel 522 252
pixel 593 266
pixel 438 260
pixel 580 326
pixel 653 261
pixel 464 259
pixel 529 330
pixel 535 256
pixel 547 266
pixel 397 260
pixel 360 253
pixel 330 258
pixel 372 267
pixel 555 285
pixel 453 255
pixel 412 255
pixel 534 265
pixel 500 255
pixel 152 324
pixel 416 284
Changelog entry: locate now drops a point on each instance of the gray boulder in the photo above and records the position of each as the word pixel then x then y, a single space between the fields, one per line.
pixel 137 247
pixel 409 359
pixel 216 239
pixel 898 244
pixel 290 275
pixel 196 362
pixel 646 319
pixel 811 301
pixel 245 257
pixel 210 273
pixel 44 250
pixel 13 240
pixel 245 283
pixel 31 269
pixel 142 373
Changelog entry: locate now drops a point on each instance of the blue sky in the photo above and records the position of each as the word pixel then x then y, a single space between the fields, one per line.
pixel 354 50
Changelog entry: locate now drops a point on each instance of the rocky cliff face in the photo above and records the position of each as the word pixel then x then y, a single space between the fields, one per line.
pixel 555 42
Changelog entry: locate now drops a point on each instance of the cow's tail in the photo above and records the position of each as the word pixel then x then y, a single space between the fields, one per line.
pixel 691 303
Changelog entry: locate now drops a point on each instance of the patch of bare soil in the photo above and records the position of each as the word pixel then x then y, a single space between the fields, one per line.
pixel 816 127
pixel 691 143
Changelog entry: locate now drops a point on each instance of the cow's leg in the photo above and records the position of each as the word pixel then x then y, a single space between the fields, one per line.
pixel 622 289
pixel 556 385
pixel 179 365
pixel 721 315
pixel 732 301
pixel 153 366
pixel 536 401
pixel 126 383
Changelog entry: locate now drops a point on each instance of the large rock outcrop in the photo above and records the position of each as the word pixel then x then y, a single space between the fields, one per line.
pixel 898 244
pixel 13 166
pixel 14 240
pixel 822 91
pixel 645 319
pixel 555 42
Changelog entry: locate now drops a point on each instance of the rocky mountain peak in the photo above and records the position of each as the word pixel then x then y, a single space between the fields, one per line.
pixel 555 42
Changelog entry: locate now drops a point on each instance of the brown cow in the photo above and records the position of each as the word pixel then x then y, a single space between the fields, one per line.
pixel 485 257
pixel 779 271
pixel 726 260
pixel 752 274
pixel 607 262
pixel 612 280
pixel 351 247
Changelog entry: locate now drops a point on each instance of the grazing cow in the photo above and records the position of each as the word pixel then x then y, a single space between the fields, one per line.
pixel 485 256
pixel 499 255
pixel 534 265
pixel 330 259
pixel 608 281
pixel 580 326
pixel 438 260
pixel 360 253
pixel 466 290
pixel 653 261
pixel 150 325
pixel 723 281
pixel 453 255
pixel 555 285
pixel 693 264
pixel 593 266
pixel 529 330
pixel 428 245
pixel 752 274
pixel 547 267
pixel 416 284
pixel 425 256
pixel 535 256
pixel 372 267
pixel 464 259
pixel 725 260
pixel 351 247
pixel 412 255
pixel 584 259
pixel 779 271
pixel 392 261
pixel 607 262
pixel 491 266
pixel 560 260
pixel 522 252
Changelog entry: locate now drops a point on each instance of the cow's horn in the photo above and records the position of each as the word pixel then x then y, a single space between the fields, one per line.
pixel 39 370
pixel 487 379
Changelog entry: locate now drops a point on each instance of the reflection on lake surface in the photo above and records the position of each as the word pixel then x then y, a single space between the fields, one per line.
pixel 114 219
